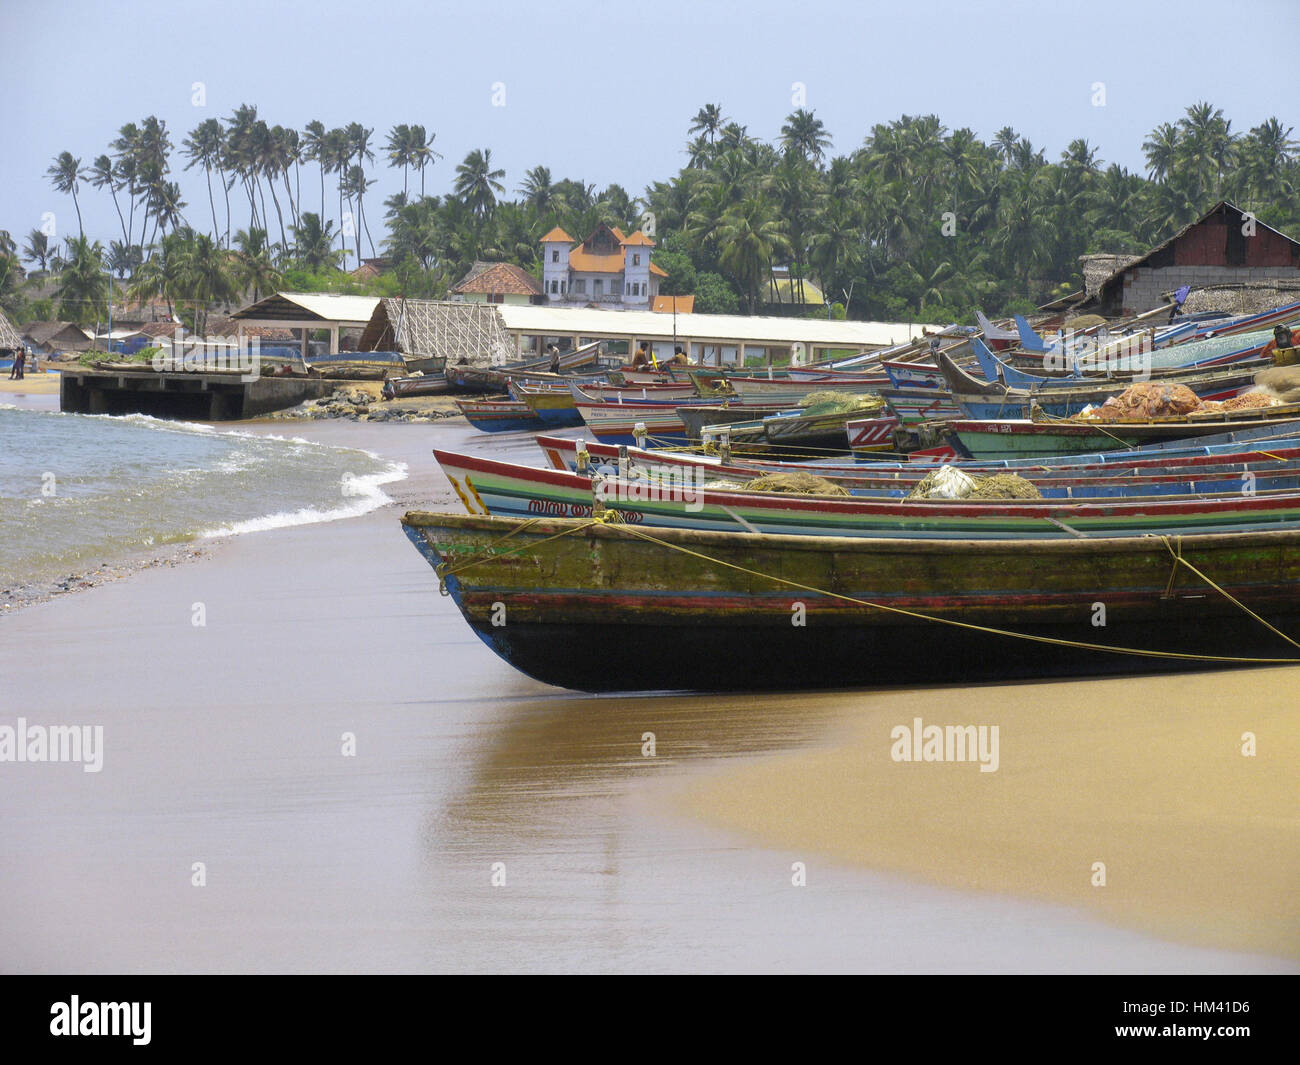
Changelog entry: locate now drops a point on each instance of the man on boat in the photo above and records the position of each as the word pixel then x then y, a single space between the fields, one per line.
pixel 641 360
pixel 555 358
pixel 679 357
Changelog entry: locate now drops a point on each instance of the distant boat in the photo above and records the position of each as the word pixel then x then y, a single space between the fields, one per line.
pixel 499 415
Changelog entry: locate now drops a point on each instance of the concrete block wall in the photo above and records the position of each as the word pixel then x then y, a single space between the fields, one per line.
pixel 1144 287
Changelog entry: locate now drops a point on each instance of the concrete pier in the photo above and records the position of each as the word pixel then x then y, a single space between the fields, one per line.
pixel 197 396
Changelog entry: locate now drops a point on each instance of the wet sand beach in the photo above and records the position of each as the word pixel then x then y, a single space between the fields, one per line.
pixel 224 745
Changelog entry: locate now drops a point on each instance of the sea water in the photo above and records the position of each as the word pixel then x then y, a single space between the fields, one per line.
pixel 79 490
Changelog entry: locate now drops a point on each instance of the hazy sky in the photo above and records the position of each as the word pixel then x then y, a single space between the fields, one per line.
pixel 605 91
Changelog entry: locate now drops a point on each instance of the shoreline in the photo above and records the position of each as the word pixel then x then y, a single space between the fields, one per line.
pixel 22 595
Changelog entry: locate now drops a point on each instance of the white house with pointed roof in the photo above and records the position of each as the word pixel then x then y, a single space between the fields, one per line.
pixel 609 270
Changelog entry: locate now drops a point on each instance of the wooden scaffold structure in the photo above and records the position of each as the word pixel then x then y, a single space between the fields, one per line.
pixel 466 332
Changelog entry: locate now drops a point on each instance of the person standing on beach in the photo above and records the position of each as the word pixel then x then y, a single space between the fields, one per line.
pixel 20 357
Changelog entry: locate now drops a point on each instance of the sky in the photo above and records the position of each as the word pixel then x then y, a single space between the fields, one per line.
pixel 605 91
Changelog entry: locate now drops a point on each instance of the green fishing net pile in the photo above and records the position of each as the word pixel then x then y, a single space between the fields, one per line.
pixel 804 484
pixel 830 402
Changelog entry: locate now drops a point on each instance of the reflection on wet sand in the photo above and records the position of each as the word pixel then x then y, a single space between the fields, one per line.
pixel 549 752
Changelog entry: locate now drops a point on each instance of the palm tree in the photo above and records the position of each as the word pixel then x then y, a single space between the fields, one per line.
pixel 253 266
pixel 102 174
pixel 126 149
pixel 314 242
pixel 539 193
pixel 204 147
pixel 83 285
pixel 203 275
pixel 66 175
pixel 750 236
pixel 422 153
pixel 314 150
pixel 806 135
pixel 1161 150
pixel 398 149
pixel 359 142
pixel 477 183
pixel 37 249
pixel 707 121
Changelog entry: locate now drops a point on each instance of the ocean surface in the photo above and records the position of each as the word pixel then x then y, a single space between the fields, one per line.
pixel 80 490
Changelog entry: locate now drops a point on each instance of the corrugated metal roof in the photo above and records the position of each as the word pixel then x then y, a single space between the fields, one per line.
pixel 547 321
pixel 310 306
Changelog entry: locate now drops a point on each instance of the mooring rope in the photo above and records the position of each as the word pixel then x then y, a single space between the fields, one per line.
pixel 607 517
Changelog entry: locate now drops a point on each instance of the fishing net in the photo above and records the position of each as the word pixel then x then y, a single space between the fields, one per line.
pixel 1005 486
pixel 1143 401
pixel 1283 382
pixel 831 402
pixel 950 483
pixel 804 484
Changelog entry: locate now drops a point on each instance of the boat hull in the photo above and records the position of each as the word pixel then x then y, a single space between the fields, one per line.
pixel 668 620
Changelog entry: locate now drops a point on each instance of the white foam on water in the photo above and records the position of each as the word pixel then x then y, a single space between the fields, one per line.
pixel 366 493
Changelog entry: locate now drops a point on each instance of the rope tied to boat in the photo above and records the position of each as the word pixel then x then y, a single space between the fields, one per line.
pixel 489 552
pixel 1052 640
pixel 1180 560
pixel 609 516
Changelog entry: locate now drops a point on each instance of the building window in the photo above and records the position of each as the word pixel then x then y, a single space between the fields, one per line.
pixel 580 285
pixel 563 284
pixel 555 255
pixel 597 286
pixel 554 288
pixel 496 297
pixel 636 258
pixel 616 287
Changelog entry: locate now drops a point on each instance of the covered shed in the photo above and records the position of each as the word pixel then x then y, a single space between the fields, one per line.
pixel 306 311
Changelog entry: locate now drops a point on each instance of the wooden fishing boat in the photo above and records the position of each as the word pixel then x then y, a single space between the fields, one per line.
pixel 695 418
pixel 499 415
pixel 916 405
pixel 495 378
pixel 1241 444
pixel 616 423
pixel 701 610
pixel 986 400
pixel 684 502
pixel 429 384
pixel 554 409
pixel 1003 439
pixel 1222 469
pixel 997 371
pixel 598 392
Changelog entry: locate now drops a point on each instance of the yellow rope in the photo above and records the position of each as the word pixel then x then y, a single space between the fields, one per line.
pixel 1178 558
pixel 984 628
pixel 443 570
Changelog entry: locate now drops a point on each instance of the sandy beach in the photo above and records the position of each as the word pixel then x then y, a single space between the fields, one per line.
pixel 225 745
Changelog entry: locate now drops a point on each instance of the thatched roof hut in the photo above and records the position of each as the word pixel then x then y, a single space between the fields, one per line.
pixel 1099 267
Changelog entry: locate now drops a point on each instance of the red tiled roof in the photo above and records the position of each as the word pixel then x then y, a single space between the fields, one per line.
pixel 640 239
pixel 664 304
pixel 499 279
pixel 556 234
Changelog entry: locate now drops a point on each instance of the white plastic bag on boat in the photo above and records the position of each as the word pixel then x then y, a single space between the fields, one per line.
pixel 951 483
